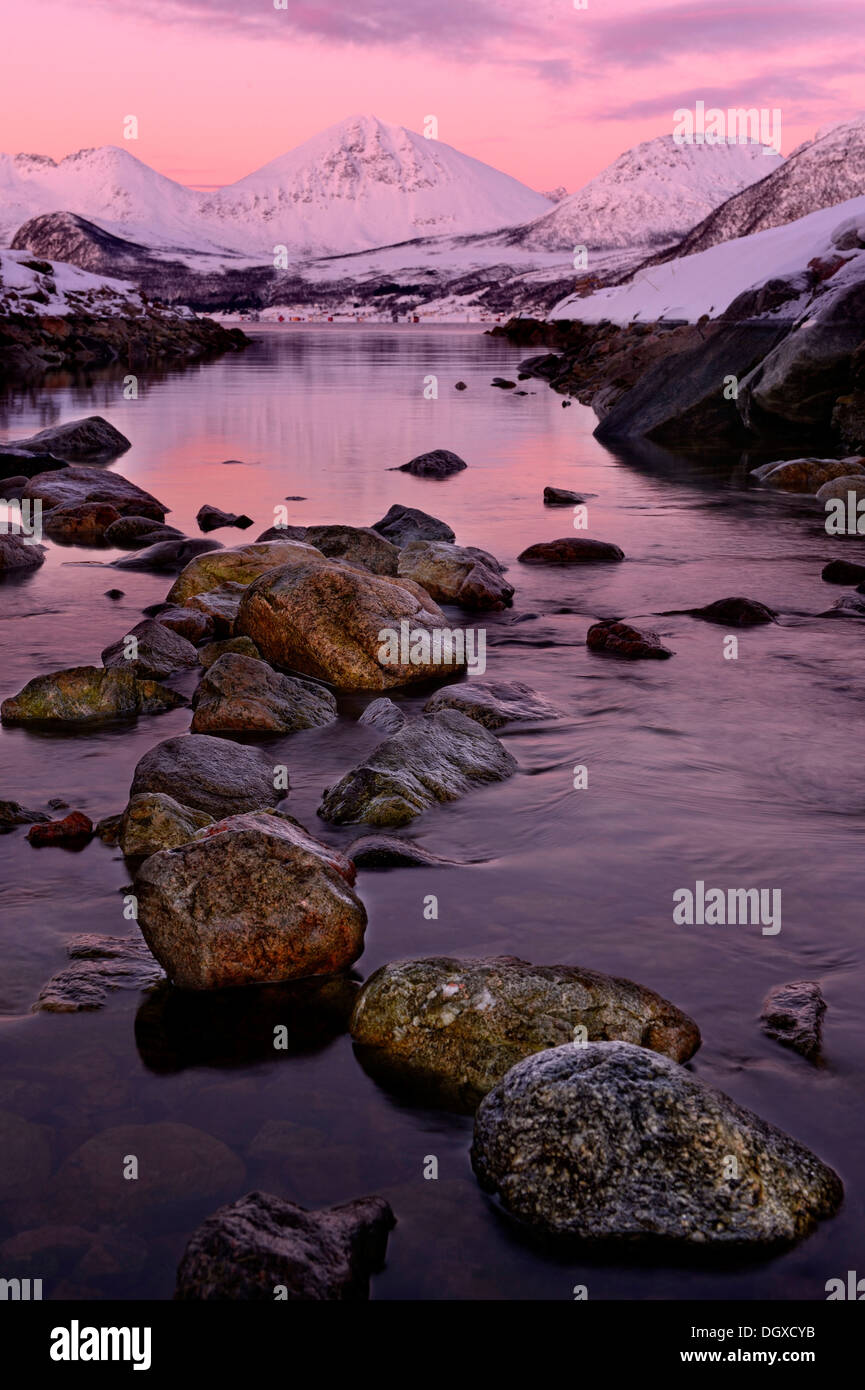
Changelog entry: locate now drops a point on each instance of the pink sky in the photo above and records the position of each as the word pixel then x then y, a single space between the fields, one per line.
pixel 540 89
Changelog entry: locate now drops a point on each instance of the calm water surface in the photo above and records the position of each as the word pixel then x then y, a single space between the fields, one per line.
pixel 742 773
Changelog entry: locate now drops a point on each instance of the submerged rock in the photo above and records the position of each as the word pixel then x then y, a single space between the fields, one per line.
pixel 383 714
pixel 843 572
pixel 139 531
pixel 158 652
pixel 561 497
pixel 455 1027
pixel 12 813
pixel 571 550
pixel 357 545
pixel 736 612
pixel 261 1244
pixel 100 965
pixel 154 821
pixel 239 565
pixel 211 518
pixel 325 619
pixel 403 524
pixel 436 758
pixel 91 437
pixel 253 899
pixel 438 463
pixel 619 639
pixel 69 487
pixel 240 694
pixel 16 553
pixel 850 606
pixel 614 1142
pixel 87 695
pixel 389 851
pixel 492 703
pixel 793 1015
pixel 456 574
pixel 167 557
pixel 804 475
pixel 209 774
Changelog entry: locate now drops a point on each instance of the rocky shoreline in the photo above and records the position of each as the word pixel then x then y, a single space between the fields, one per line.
pixel 588 1123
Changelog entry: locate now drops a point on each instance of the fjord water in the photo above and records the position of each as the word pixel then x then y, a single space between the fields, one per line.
pixel 740 773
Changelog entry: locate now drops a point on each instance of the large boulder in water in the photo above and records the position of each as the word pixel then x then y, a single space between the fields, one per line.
pixel 492 703
pixel 610 1141
pixel 167 556
pixel 18 554
pixel 89 438
pixel 240 694
pixel 438 463
pixel 403 524
pixel 240 564
pixel 150 649
pixel 253 899
pixel 436 758
pixel 620 639
pixel 456 574
pixel 210 774
pixel 570 550
pixel 262 1243
pixel 87 695
pixel 64 487
pixel 454 1027
pixel 327 620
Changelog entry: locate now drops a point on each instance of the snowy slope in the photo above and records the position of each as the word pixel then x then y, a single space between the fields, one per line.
pixel 357 185
pixel 362 183
pixel 38 288
pixel 825 171
pixel 706 283
pixel 651 195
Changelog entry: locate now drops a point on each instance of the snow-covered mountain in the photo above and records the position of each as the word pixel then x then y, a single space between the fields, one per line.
pixel 651 195
pixel 824 171
pixel 357 185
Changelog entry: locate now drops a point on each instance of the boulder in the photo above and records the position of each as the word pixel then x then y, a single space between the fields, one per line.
pixel 190 623
pixel 619 639
pixel 356 545
pixel 212 651
pixel 503 383
pixel 456 574
pixel 87 695
pixel 74 829
pixel 389 851
pixel 139 531
pixel 436 758
pixel 99 966
pixel 220 606
pixel 18 554
pixel 736 612
pixel 850 606
pixel 613 1142
pixel 383 714
pixel 438 463
pixel 843 572
pixel 67 487
pixel 561 497
pixel 239 565
pixel 455 1027
pixel 327 620
pixel 403 524
pixel 240 694
pixel 169 556
pixel 261 1243
pixel 212 518
pixel 842 487
pixel 570 550
pixel 154 821
pixel 804 475
pixel 158 652
pixel 89 438
pixel 282 533
pixel 12 813
pixel 492 703
pixel 254 899
pixel 209 774
pixel 792 1014
pixel 84 523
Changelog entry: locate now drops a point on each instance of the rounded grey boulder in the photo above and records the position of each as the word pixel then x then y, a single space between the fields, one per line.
pixel 209 774
pixel 609 1141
